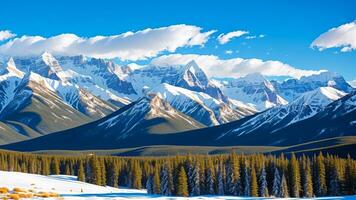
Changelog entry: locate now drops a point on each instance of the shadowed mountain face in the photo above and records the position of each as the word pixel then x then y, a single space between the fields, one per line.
pixel 336 119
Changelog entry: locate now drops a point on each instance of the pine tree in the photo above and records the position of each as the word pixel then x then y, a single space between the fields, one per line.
pixel 156 182
pixel 284 188
pixel 81 174
pixel 95 171
pixel 276 183
pixel 55 166
pixel 182 189
pixel 232 176
pixel 294 177
pixel 320 184
pixel 254 186
pixel 307 179
pixel 67 169
pixel 220 181
pixel 166 184
pixel 210 181
pixel 350 176
pixel 136 175
pixel 113 174
pixel 334 182
pixel 149 184
pixel 247 191
pixel 263 183
pixel 103 172
pixel 193 178
pixel 45 167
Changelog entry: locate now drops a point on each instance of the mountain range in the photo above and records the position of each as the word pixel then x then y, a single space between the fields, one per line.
pixel 82 103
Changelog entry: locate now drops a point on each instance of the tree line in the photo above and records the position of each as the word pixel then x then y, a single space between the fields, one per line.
pixel 192 175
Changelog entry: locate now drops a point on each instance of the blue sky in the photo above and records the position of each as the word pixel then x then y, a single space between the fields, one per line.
pixel 289 27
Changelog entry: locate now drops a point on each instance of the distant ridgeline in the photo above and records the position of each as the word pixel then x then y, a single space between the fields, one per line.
pixel 193 175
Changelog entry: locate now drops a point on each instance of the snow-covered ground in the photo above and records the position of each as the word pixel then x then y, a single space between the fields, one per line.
pixel 69 188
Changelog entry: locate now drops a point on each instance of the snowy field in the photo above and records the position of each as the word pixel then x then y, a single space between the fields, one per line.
pixel 69 188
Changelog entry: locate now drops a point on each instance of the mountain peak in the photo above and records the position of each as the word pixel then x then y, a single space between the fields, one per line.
pixel 11 68
pixel 320 96
pixel 253 78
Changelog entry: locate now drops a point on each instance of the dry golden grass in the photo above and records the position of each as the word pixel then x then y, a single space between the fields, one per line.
pixel 4 190
pixel 13 196
pixel 20 193
pixel 16 190
pixel 46 194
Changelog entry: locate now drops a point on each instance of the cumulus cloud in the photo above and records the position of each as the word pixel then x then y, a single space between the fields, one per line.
pixel 126 46
pixel 235 67
pixel 225 38
pixel 343 37
pixel 4 35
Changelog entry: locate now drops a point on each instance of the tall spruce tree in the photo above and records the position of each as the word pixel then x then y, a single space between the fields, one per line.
pixel 294 177
pixel 112 174
pixel 182 188
pixel 220 181
pixel 334 185
pixel 350 176
pixel 149 184
pixel 95 171
pixel 194 183
pixel 276 183
pixel 81 174
pixel 156 182
pixel 247 190
pixel 284 188
pixel 210 181
pixel 55 166
pixel 136 175
pixel 307 178
pixel 166 183
pixel 254 185
pixel 320 185
pixel 263 183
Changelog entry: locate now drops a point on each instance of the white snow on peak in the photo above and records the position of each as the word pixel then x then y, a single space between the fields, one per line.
pixel 253 78
pixel 321 96
pixel 192 66
pixel 12 69
pixel 322 77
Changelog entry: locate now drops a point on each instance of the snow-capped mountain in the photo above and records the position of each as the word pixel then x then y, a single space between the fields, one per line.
pixel 201 106
pixel 79 89
pixel 96 76
pixel 335 120
pixel 292 88
pixel 192 77
pixel 305 106
pixel 253 90
pixel 189 76
pixel 32 105
pixel 148 117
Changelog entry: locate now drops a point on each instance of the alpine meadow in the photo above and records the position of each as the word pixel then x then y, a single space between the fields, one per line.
pixel 177 99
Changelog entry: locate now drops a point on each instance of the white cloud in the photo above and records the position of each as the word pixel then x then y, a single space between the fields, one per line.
pixel 250 37
pixel 228 52
pixel 225 38
pixel 4 35
pixel 235 67
pixel 126 46
pixel 352 83
pixel 343 37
